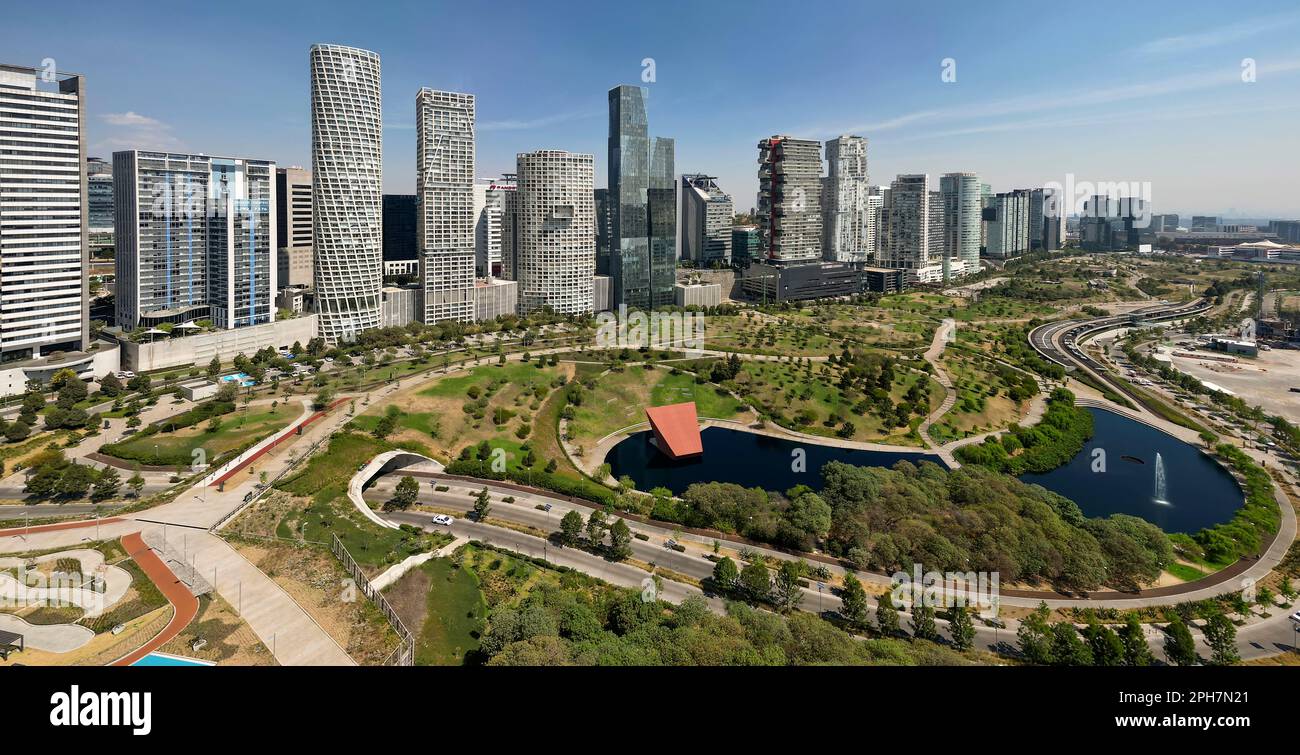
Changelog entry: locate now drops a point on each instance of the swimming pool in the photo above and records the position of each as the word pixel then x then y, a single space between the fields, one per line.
pixel 167 659
pixel 245 380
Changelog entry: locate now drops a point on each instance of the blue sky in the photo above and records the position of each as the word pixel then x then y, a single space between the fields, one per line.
pixel 1147 91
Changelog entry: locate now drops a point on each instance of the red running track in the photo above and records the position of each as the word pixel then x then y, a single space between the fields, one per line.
pixel 60 526
pixel 185 604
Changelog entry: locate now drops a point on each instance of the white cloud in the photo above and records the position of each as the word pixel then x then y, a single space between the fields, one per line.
pixel 131 130
pixel 1221 35
pixel 131 118
pixel 524 125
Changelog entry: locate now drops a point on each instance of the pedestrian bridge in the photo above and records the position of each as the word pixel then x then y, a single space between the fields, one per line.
pixel 385 463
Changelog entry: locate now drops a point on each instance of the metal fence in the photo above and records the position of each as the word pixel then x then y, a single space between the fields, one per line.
pixel 258 492
pixel 404 655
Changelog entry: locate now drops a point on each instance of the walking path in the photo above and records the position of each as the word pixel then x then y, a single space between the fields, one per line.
pixel 946 331
pixel 185 606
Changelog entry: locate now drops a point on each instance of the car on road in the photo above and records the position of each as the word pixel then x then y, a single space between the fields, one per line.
pixel 670 543
pixel 546 507
pixel 443 519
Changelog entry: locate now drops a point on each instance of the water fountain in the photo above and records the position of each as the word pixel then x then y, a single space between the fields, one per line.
pixel 1161 492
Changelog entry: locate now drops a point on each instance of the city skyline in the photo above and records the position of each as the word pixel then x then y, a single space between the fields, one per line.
pixel 1080 107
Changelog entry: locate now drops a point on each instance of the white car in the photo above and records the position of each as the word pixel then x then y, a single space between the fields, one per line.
pixel 443 520
pixel 1295 617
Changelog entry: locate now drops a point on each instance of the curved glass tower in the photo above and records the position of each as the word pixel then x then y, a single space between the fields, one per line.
pixel 347 173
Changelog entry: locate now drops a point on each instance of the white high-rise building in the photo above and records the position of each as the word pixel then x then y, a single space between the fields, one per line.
pixel 43 214
pixel 347 188
pixel 844 196
pixel 489 224
pixel 196 239
pixel 909 246
pixel 876 227
pixel 444 189
pixel 556 232
pixel 962 212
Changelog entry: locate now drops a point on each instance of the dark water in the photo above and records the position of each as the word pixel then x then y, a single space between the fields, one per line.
pixel 1199 492
pixel 744 458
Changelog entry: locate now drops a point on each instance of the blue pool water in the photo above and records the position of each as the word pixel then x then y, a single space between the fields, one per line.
pixel 166 659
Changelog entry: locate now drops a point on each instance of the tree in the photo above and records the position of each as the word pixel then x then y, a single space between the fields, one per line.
pixel 1136 650
pixel 961 628
pixel 322 399
pixel 1035 636
pixel 75 481
pixel 570 528
pixel 756 580
pixel 1106 646
pixel 384 427
pixel 1068 649
pixel 788 590
pixel 214 367
pixel 481 504
pixel 620 540
pixel 596 528
pixel 887 615
pixel 17 430
pixel 923 626
pixel 853 602
pixel 106 485
pixel 1180 648
pixel 1221 636
pixel 725 574
pixel 136 481
pixel 110 385
pixel 406 492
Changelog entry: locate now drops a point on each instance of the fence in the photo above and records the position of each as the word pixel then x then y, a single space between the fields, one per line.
pixel 404 655
pixel 257 492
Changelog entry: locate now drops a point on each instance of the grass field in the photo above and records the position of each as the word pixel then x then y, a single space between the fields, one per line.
pixel 238 430
pixel 814 403
pixel 982 400
pixel 619 399
pixel 455 618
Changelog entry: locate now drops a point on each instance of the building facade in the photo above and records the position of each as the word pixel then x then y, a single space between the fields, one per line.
pixel 790 199
pixel 99 195
pixel 642 205
pixel 962 214
pixel 400 223
pixel 845 193
pixel 44 302
pixel 293 227
pixel 444 181
pixel 195 238
pixel 556 231
pixel 347 184
pixel 707 213
pixel 490 202
pixel 911 221
pixel 1007 218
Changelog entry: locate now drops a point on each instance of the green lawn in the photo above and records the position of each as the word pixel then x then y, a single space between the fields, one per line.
pixel 619 399
pixel 456 617
pixel 238 430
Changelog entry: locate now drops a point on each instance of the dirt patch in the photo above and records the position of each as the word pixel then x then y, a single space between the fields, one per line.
pixel 230 641
pixel 409 596
pixel 317 582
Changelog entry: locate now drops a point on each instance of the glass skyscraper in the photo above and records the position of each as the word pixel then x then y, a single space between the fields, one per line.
pixel 642 205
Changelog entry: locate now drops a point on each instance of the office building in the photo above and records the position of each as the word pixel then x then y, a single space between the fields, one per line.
pixel 602 293
pixel 444 180
pixel 884 280
pixel 195 239
pixel 400 224
pixel 399 305
pixel 603 216
pixel 790 199
pixel 911 221
pixel 697 294
pixel 495 297
pixel 767 282
pixel 293 227
pixel 1286 230
pixel 962 213
pixel 1111 224
pixel 707 213
pixel 556 231
pixel 489 223
pixel 746 244
pixel 876 227
pixel 1007 218
pixel 43 240
pixel 642 210
pixel 845 191
pixel 1167 223
pixel 1205 223
pixel 99 195
pixel 347 183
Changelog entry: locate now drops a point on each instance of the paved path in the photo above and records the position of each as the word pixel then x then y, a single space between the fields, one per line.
pixel 53 638
pixel 942 335
pixel 185 605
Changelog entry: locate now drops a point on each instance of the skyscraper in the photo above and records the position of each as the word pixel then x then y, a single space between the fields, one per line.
pixel 909 246
pixel 845 192
pixel 790 199
pixel 489 223
pixel 347 183
pixel 556 231
pixel 642 211
pixel 195 239
pixel 1045 220
pixel 43 249
pixel 293 227
pixel 962 211
pixel 876 228
pixel 1007 218
pixel 707 213
pixel 401 232
pixel 99 195
pixel 444 183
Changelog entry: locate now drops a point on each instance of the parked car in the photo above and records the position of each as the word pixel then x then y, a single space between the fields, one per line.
pixel 443 519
